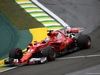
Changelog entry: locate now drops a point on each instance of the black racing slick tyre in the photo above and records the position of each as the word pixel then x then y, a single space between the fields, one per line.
pixel 84 41
pixel 16 53
pixel 49 52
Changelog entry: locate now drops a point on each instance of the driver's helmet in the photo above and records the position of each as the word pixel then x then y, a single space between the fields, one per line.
pixel 47 39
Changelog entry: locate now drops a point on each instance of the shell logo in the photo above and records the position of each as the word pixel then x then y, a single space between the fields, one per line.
pixel 27 53
pixel 65 44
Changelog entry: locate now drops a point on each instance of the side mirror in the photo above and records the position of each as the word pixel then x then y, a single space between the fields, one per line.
pixel 30 44
pixel 49 34
pixel 35 42
pixel 55 34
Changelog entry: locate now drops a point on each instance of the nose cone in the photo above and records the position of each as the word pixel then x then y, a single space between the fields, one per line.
pixel 26 57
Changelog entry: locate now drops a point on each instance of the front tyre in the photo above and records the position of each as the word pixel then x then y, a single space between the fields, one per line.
pixel 49 52
pixel 84 41
pixel 16 53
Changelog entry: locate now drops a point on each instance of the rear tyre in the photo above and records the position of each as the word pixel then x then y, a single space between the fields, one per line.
pixel 84 41
pixel 16 53
pixel 49 52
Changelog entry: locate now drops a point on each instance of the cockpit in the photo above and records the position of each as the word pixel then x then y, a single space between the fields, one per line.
pixel 47 39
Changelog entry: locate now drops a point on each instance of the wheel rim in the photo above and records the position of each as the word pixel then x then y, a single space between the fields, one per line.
pixel 18 54
pixel 88 42
pixel 52 54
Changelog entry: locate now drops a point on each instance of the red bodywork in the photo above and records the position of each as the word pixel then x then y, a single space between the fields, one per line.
pixel 58 39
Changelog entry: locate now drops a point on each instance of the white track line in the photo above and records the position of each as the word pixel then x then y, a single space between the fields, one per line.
pixel 51 24
pixel 45 19
pixel 32 10
pixel 8 69
pixel 28 6
pixel 39 15
pixel 12 68
pixel 24 2
pixel 76 57
pixel 51 13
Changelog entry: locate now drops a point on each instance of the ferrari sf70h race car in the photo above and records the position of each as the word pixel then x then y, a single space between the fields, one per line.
pixel 57 43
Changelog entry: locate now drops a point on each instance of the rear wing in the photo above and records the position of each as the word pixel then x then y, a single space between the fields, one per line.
pixel 68 30
pixel 75 30
pixel 71 30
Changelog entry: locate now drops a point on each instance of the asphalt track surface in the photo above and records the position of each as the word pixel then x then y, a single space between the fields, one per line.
pixel 82 13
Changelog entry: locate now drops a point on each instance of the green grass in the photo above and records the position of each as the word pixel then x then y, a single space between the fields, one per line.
pixel 18 16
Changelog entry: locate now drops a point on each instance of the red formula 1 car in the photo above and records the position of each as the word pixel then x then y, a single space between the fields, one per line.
pixel 57 43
